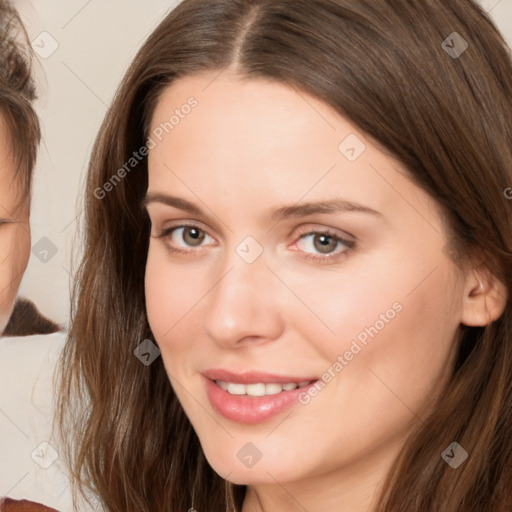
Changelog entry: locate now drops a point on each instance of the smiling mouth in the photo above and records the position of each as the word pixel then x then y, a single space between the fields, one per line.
pixel 260 388
pixel 253 397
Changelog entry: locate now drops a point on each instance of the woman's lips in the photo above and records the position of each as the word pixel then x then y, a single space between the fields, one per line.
pixel 250 410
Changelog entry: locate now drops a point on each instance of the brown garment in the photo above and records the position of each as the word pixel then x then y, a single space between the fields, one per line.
pixel 8 505
pixel 27 320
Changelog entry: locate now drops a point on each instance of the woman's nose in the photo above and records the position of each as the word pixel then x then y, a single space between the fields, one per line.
pixel 244 306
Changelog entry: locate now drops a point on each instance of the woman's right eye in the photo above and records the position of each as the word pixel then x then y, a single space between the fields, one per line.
pixel 185 237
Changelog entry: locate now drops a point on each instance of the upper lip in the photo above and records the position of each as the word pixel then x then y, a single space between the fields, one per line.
pixel 253 377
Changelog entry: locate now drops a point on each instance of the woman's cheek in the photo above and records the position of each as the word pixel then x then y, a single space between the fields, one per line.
pixel 172 296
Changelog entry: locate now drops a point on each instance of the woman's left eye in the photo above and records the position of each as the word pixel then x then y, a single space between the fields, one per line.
pixel 323 243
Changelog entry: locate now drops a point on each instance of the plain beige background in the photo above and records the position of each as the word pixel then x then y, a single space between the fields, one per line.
pixel 84 47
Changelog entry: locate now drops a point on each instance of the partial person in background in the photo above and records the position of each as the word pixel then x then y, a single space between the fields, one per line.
pixel 25 362
pixel 19 139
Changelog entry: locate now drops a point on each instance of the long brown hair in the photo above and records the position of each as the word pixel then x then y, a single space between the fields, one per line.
pixel 399 70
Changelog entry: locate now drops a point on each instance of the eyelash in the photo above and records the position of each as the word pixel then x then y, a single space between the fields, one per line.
pixel 350 245
pixel 327 258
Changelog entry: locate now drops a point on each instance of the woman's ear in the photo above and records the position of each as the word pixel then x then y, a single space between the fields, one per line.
pixel 485 298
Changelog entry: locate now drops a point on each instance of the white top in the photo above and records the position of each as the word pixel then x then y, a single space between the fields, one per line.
pixel 30 466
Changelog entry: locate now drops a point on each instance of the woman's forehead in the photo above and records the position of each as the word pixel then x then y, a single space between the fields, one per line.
pixel 248 148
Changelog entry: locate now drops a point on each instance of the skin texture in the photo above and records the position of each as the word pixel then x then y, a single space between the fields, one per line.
pixel 247 149
pixel 14 232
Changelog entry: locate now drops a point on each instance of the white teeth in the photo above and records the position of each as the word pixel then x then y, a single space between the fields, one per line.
pixel 255 389
pixel 273 389
pixel 259 388
pixel 222 384
pixel 236 389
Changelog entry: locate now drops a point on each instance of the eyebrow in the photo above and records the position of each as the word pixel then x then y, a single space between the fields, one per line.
pixel 336 205
pixel 173 201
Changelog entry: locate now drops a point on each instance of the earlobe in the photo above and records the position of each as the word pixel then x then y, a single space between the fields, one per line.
pixel 485 298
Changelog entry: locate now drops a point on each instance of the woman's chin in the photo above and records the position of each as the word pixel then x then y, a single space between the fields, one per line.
pixel 249 472
pixel 250 477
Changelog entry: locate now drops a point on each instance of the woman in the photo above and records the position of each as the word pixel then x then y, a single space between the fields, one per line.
pixel 294 293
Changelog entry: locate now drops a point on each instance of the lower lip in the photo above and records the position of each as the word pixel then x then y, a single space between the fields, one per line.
pixel 250 410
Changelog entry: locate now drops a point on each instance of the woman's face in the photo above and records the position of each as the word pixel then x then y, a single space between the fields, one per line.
pixel 14 231
pixel 286 248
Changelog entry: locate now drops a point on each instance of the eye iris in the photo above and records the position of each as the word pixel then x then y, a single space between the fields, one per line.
pixel 324 243
pixel 193 236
